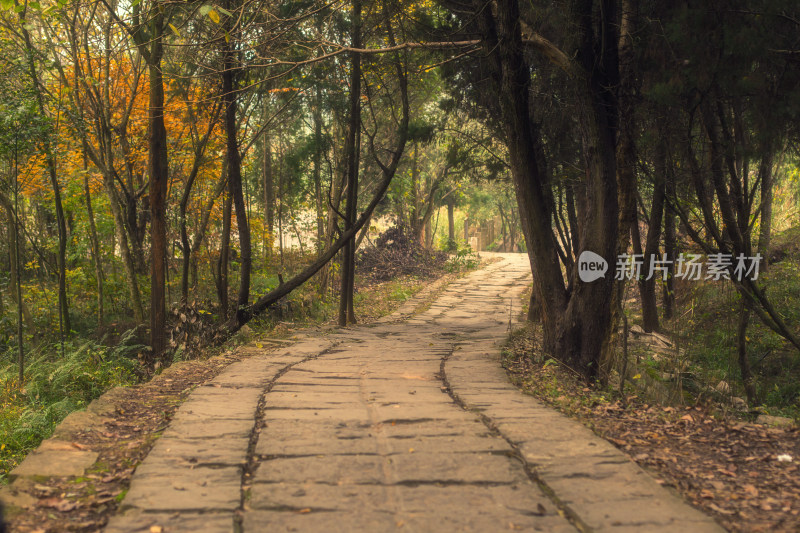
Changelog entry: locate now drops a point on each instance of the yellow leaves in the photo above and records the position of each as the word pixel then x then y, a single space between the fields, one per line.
pixel 213 15
pixel 174 30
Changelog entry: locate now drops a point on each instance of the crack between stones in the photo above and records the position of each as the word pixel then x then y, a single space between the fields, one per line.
pixel 251 462
pixel 529 469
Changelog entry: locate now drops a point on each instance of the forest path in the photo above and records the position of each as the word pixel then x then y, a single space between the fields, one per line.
pixel 409 424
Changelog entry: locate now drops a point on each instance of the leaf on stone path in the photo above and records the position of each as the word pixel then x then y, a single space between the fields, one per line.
pixel 156 529
pixel 306 510
pixel 43 489
pixel 58 504
pixel 751 490
pixel 720 510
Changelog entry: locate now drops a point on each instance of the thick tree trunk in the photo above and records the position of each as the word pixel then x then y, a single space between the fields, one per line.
pixel 587 324
pixel 502 37
pixel 346 312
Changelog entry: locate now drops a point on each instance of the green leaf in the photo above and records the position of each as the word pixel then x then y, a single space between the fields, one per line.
pixel 34 5
pixel 7 5
pixel 214 16
pixel 204 9
pixel 225 12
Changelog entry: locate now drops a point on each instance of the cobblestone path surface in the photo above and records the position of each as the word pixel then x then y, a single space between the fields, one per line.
pixel 409 424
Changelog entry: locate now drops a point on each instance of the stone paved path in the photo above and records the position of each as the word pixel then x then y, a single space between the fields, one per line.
pixel 406 425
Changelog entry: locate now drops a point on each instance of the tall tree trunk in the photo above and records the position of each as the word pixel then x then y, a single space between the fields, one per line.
pixel 269 200
pixel 648 286
pixel 158 167
pixel 417 225
pixel 346 312
pixel 337 185
pixel 504 247
pixel 14 263
pixel 124 248
pixel 671 251
pixel 317 115
pixel 18 275
pixel 229 90
pixel 744 363
pixel 451 224
pixel 767 185
pixel 95 248
pixel 224 254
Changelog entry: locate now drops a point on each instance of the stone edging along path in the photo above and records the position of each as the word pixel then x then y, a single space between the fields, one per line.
pixel 408 424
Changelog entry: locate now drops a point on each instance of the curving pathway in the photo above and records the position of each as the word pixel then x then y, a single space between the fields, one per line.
pixel 409 424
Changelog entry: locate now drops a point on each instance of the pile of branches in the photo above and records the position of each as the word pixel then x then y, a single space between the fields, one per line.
pixel 395 253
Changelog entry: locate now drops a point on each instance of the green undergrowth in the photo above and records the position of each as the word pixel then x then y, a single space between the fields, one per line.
pixel 55 385
pixel 705 330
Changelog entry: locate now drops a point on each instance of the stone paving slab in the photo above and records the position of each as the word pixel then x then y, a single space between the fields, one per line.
pixel 55 458
pixel 407 425
pixel 138 521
